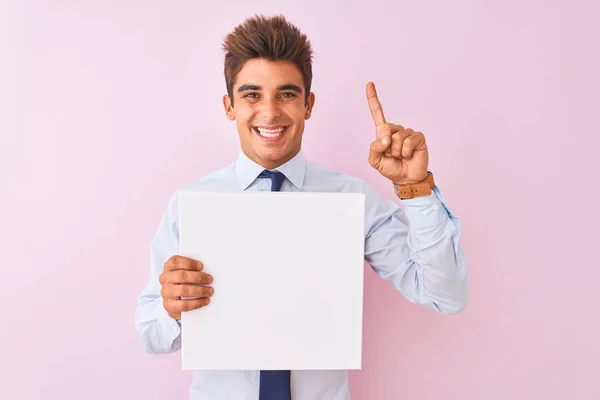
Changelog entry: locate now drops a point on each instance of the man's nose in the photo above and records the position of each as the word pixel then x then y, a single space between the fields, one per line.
pixel 270 109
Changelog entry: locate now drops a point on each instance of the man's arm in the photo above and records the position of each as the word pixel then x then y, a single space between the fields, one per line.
pixel 157 331
pixel 417 249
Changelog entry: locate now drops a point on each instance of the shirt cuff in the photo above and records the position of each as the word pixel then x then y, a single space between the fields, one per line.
pixel 171 328
pixel 426 211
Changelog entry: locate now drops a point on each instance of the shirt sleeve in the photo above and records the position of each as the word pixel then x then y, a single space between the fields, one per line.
pixel 157 331
pixel 417 249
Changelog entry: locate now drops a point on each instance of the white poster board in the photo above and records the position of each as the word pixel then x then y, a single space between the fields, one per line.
pixel 288 277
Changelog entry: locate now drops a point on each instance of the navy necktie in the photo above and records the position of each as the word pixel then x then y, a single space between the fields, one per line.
pixel 276 179
pixel 274 385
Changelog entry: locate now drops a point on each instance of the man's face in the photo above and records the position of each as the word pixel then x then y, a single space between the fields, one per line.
pixel 269 109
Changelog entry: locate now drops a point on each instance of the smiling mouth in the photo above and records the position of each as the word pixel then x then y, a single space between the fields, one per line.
pixel 270 133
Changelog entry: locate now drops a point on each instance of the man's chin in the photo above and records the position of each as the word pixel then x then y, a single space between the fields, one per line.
pixel 271 155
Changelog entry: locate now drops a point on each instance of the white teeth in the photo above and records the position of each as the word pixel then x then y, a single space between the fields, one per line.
pixel 270 133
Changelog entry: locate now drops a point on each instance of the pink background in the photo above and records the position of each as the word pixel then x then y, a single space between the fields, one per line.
pixel 109 106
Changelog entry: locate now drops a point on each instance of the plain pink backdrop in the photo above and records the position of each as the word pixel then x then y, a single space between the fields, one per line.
pixel 108 107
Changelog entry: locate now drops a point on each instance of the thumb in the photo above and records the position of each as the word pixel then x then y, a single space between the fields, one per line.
pixel 378 148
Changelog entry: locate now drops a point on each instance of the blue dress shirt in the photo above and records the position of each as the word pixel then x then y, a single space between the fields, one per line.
pixel 423 260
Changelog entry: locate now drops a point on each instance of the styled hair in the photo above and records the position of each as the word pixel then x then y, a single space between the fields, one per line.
pixel 271 38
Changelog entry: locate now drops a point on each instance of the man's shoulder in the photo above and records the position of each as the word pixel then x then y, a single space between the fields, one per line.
pixel 327 179
pixel 212 179
pixel 328 174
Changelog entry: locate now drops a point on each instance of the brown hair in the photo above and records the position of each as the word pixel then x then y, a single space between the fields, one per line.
pixel 271 38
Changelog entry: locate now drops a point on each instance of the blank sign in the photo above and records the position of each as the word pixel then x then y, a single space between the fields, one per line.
pixel 288 277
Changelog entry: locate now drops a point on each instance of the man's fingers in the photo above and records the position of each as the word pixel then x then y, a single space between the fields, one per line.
pixel 404 143
pixel 189 277
pixel 378 148
pixel 375 105
pixel 381 145
pixel 181 262
pixel 411 143
pixel 182 276
pixel 398 140
pixel 396 147
pixel 187 291
pixel 389 131
pixel 192 304
pixel 176 306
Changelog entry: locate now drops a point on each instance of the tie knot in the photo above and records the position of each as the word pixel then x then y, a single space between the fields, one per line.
pixel 276 179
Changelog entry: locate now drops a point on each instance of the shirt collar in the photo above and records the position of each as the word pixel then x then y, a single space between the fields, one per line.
pixel 247 170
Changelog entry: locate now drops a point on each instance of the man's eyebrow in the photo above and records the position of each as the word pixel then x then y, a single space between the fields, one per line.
pixel 287 86
pixel 245 88
pixel 290 86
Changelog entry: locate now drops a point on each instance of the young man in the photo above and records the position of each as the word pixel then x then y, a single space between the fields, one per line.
pixel 268 76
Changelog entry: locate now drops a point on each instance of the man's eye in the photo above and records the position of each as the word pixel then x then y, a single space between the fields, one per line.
pixel 251 95
pixel 288 94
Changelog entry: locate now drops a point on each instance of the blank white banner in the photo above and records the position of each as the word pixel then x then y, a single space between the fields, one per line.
pixel 288 277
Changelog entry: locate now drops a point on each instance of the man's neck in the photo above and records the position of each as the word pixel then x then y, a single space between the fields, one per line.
pixel 271 164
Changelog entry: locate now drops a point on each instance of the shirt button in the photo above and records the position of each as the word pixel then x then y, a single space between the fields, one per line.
pixel 435 207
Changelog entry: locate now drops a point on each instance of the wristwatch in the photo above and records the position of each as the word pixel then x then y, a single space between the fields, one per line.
pixel 417 189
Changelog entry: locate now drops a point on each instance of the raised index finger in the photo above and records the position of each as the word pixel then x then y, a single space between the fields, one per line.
pixel 375 105
pixel 181 262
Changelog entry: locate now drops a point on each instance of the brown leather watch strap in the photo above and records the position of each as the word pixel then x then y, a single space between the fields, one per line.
pixel 418 189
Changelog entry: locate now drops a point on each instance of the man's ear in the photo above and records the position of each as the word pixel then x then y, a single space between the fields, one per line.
pixel 229 111
pixel 310 103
